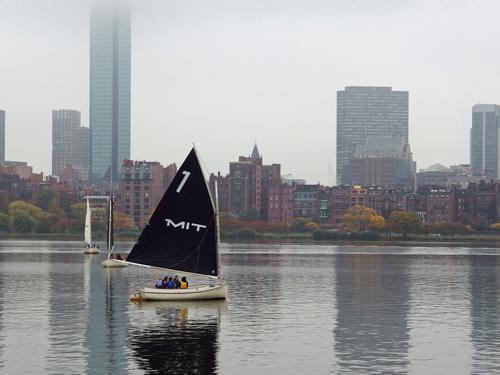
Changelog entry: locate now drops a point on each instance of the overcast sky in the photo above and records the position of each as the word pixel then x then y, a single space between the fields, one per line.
pixel 226 73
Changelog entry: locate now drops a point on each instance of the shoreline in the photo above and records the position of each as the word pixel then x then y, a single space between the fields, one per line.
pixel 295 238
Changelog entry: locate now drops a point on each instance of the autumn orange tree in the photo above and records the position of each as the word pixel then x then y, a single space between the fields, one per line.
pixel 123 221
pixel 495 226
pixel 360 218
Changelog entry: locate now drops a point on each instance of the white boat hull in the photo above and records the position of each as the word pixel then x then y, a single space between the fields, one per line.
pixel 202 292
pixel 91 250
pixel 113 263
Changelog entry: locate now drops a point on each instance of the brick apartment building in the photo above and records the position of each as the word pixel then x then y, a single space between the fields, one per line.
pixel 244 191
pixel 142 186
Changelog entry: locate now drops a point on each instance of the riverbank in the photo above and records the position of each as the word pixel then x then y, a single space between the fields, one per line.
pixel 293 237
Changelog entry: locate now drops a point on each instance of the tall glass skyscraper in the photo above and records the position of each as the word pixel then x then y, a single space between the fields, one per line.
pixel 484 143
pixel 109 91
pixel 363 112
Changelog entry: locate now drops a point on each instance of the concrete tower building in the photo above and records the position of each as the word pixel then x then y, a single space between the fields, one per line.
pixel 109 91
pixel 364 112
pixel 70 143
pixel 484 153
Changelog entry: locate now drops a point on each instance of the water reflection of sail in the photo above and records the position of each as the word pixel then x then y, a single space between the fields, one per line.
pixel 176 338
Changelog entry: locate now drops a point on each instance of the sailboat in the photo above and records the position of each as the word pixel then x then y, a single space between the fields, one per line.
pixel 183 236
pixel 110 262
pixel 89 247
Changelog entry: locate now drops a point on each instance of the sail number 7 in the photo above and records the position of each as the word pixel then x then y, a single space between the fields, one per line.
pixel 184 179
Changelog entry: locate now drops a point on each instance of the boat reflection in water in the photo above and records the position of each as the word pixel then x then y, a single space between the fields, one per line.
pixel 176 337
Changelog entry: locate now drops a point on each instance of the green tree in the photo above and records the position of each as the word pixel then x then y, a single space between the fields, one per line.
pixel 78 211
pixel 44 223
pixel 45 197
pixel 55 208
pixel 26 207
pixel 5 199
pixel 66 201
pixel 251 215
pixel 22 222
pixel 360 219
pixel 405 222
pixel 4 223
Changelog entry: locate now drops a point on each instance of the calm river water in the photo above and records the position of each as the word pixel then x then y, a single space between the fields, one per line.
pixel 292 309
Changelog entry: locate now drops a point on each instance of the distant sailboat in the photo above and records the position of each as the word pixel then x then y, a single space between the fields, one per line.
pixel 89 247
pixel 110 262
pixel 183 235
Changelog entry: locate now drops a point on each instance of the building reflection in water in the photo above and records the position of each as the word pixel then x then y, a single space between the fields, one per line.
pixel 2 301
pixel 25 312
pixel 371 332
pixel 484 314
pixel 67 316
pixel 439 314
pixel 176 337
pixel 107 321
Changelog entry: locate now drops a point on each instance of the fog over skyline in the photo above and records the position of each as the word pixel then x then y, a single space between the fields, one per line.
pixel 226 73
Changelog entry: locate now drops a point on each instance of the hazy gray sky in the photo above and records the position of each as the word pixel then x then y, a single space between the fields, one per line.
pixel 223 73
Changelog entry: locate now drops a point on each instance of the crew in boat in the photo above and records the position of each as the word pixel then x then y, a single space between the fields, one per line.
pixel 184 284
pixel 159 284
pixel 165 281
pixel 177 282
pixel 170 283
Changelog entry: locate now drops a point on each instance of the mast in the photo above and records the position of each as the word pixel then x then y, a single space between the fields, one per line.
pixel 217 244
pixel 216 211
pixel 110 226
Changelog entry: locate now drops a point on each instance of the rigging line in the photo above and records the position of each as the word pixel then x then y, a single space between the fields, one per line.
pixel 204 172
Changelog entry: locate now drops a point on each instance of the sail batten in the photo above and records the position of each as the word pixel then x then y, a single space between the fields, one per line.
pixel 182 232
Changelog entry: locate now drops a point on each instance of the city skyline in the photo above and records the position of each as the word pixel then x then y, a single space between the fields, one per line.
pixel 275 84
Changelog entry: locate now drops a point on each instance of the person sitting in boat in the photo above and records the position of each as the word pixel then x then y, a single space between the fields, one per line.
pixel 159 284
pixel 177 282
pixel 184 284
pixel 170 283
pixel 165 281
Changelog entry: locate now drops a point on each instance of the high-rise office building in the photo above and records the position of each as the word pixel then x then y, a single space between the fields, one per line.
pixel 364 112
pixel 385 162
pixel 70 143
pixel 109 91
pixel 2 135
pixel 484 143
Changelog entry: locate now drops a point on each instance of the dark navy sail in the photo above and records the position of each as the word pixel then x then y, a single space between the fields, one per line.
pixel 182 233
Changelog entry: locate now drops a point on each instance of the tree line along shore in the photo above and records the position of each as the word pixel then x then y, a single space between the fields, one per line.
pixel 56 216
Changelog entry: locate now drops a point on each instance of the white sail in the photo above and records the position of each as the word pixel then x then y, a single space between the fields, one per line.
pixel 88 229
